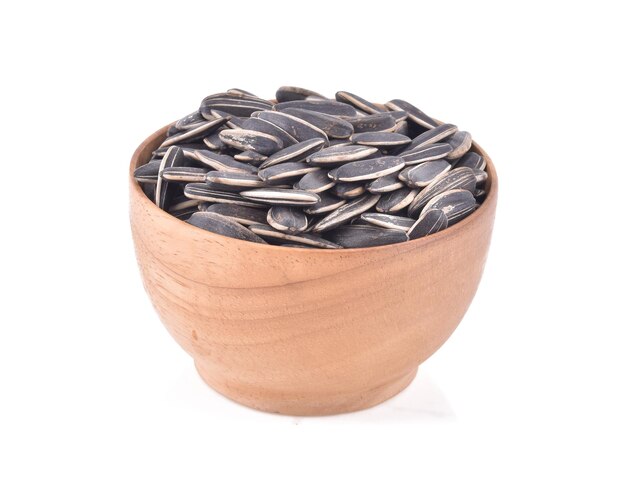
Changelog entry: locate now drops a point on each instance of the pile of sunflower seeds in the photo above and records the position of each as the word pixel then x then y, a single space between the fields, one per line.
pixel 309 171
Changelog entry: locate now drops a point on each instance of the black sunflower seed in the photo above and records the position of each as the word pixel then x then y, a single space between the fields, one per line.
pixel 415 115
pixel 461 143
pixel 381 122
pixel 346 212
pixel 315 182
pixel 295 152
pixel 385 184
pixel 430 222
pixel 189 121
pixel 357 236
pixel 367 169
pixel 380 139
pixel 422 174
pixel 184 174
pixel 289 93
pixel 396 200
pixel 481 176
pixel 182 203
pixel 428 152
pixel 326 106
pixel 148 173
pixel 480 195
pixel 233 179
pixel 231 120
pixel 296 127
pixel 198 132
pixel 457 178
pixel 202 192
pixel 333 126
pixel 287 219
pixel 225 226
pixel 471 160
pixel 266 127
pixel 251 140
pixel 238 213
pixel 241 93
pixel 456 204
pixel 223 163
pixel 233 105
pixel 357 102
pixel 402 128
pixel 327 203
pixel 287 171
pixel 251 157
pixel 432 136
pixel 164 191
pixel 310 240
pixel 388 221
pixel 281 196
pixel 337 155
pixel 213 142
pixel 349 190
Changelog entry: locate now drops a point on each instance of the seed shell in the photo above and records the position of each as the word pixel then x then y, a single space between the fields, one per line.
pixel 385 184
pixel 287 219
pixel 457 178
pixel 327 203
pixel 201 130
pixel 234 179
pixel 296 127
pixel 455 203
pixel 396 200
pixel 225 226
pixel 422 174
pixel 388 221
pixel 326 106
pixel 346 212
pixel 427 152
pixel 238 213
pixel 290 93
pixel 461 142
pixel 281 196
pixel 148 173
pixel 295 152
pixel 246 140
pixel 202 192
pixel 223 163
pixel 315 182
pixel 357 236
pixel 414 114
pixel 337 155
pixel 184 174
pixel 367 169
pixel 310 240
pixel 430 222
pixel 286 171
pixel 357 102
pixel 380 139
pixel 380 122
pixel 333 126
pixel 471 160
pixel 432 136
pixel 349 190
pixel 260 125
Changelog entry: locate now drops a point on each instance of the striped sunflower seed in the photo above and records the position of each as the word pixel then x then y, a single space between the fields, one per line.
pixel 380 122
pixel 286 171
pixel 164 191
pixel 430 222
pixel 225 226
pixel 233 105
pixel 198 132
pixel 326 106
pixel 295 152
pixel 281 196
pixel 327 203
pixel 233 179
pixel 457 178
pixel 428 152
pixel 346 212
pixel 184 174
pixel 385 184
pixel 349 190
pixel 310 240
pixel 402 128
pixel 251 157
pixel 481 176
pixel 363 170
pixel 388 221
pixel 202 192
pixel 315 182
pixel 432 136
pixel 289 93
pixel 213 142
pixel 287 219
pixel 396 200
pixel 254 123
pixel 251 140
pixel 414 114
pixel 239 213
pixel 337 155
pixel 380 139
pixel 471 160
pixel 461 143
pixel 333 126
pixel 223 163
pixel 455 203
pixel 422 174
pixel 296 127
pixel 182 203
pixel 357 102
pixel 189 121
pixel 357 236
pixel 148 173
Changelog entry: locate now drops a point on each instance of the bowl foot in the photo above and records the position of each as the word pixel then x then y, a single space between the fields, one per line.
pixel 311 403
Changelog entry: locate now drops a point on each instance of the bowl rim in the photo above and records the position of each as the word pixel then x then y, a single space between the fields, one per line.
pixel 482 211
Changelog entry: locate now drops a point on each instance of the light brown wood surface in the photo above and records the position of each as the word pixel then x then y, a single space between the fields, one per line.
pixel 307 332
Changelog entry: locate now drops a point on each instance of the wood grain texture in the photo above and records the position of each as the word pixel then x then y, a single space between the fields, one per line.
pixel 307 332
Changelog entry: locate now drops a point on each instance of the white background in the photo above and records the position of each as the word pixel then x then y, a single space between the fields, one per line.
pixel 526 400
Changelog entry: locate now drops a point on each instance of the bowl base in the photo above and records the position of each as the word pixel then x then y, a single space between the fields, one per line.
pixel 305 405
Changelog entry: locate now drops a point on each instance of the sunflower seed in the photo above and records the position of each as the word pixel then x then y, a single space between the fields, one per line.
pixel 246 140
pixel 294 126
pixel 213 142
pixel 270 128
pixel 456 204
pixel 336 155
pixel 388 221
pixel 396 200
pixel 380 139
pixel 461 142
pixel 428 152
pixel 281 196
pixel 148 173
pixel 202 192
pixel 236 106
pixel 183 203
pixel 315 182
pixel 198 132
pixel 415 115
pixel 163 194
pixel 287 219
pixel 244 180
pixel 385 184
pixel 367 169
pixel 402 127
pixel 189 121
pixel 231 121
pixel 327 203
pixel 430 222
pixel 184 174
pixel 432 136
pixel 295 152
pixel 333 126
pixel 346 212
pixel 480 195
pixel 289 93
pixel 349 190
pixel 423 174
pixel 310 240
pixel 326 106
pixel 471 160
pixel 223 163
pixel 173 130
pixel 457 178
pixel 238 213
pixel 481 176
pixel 241 93
pixel 381 122
pixel 286 171
pixel 251 157
pixel 219 224
pixel 358 102
pixel 357 236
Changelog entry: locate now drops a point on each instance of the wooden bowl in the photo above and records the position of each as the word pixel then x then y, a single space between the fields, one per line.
pixel 307 332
